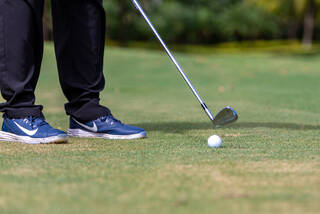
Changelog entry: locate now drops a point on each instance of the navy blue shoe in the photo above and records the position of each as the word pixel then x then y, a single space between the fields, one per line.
pixel 30 130
pixel 106 127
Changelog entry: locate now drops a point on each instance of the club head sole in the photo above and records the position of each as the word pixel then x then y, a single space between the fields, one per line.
pixel 226 116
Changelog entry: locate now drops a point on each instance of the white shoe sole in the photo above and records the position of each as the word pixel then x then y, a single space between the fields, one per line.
pixel 85 134
pixel 9 137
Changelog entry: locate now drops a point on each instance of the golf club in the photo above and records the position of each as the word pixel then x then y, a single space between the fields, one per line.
pixel 226 115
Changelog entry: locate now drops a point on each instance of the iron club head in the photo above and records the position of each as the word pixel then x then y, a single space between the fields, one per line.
pixel 225 116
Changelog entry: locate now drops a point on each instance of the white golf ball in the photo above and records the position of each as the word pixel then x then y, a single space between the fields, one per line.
pixel 214 141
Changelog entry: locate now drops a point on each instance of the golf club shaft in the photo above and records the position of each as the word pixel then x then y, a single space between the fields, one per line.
pixel 204 106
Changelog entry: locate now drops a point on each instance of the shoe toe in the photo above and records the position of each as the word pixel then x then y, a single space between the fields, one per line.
pixel 56 132
pixel 126 130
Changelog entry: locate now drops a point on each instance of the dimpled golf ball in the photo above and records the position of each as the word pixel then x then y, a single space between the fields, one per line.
pixel 214 141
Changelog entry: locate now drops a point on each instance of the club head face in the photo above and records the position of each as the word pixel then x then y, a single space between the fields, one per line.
pixel 226 116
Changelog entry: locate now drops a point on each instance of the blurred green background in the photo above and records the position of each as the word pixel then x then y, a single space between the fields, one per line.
pixel 211 21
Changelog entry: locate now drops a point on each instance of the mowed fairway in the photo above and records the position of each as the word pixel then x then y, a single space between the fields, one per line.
pixel 269 162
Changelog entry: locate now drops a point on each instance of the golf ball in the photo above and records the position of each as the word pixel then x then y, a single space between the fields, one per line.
pixel 214 141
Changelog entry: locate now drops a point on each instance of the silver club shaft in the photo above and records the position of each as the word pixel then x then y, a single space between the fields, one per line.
pixel 204 106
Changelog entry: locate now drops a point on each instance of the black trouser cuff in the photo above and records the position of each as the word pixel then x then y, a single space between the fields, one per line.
pixel 24 112
pixel 88 111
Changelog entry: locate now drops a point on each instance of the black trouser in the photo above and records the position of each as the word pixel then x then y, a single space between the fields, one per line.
pixel 79 35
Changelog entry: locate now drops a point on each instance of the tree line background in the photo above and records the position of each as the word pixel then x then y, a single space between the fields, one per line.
pixel 210 21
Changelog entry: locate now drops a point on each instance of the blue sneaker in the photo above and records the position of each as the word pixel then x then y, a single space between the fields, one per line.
pixel 106 127
pixel 30 130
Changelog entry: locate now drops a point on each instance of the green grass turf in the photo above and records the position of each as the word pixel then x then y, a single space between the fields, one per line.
pixel 269 162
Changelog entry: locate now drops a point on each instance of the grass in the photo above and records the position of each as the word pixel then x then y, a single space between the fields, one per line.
pixel 269 162
pixel 284 47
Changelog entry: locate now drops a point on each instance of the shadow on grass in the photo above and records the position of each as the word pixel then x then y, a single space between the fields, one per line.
pixel 275 125
pixel 180 127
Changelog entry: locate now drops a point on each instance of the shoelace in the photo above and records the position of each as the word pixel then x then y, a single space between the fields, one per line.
pixel 109 119
pixel 34 121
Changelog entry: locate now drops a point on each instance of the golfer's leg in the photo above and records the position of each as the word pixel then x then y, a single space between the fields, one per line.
pixel 79 34
pixel 20 55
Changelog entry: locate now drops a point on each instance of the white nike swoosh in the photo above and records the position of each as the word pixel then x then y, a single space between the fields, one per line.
pixel 93 129
pixel 26 131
